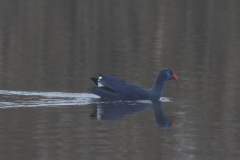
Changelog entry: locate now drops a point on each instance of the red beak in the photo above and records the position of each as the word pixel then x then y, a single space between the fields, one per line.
pixel 174 77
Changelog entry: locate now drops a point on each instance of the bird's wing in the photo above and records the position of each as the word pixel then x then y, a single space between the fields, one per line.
pixel 114 83
pixel 103 92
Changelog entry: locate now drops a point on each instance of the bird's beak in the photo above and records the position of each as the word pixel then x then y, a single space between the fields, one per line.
pixel 174 77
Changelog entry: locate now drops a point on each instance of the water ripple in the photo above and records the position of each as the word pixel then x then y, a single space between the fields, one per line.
pixel 11 99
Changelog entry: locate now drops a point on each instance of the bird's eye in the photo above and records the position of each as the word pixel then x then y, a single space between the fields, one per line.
pixel 171 72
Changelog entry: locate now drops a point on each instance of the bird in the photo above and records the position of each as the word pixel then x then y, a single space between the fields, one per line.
pixel 110 87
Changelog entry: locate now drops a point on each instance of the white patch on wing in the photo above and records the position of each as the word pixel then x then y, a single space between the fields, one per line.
pixel 99 84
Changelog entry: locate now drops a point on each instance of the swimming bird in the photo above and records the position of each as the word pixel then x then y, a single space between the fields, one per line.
pixel 110 87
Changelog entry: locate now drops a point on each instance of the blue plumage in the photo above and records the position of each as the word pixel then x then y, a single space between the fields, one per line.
pixel 114 88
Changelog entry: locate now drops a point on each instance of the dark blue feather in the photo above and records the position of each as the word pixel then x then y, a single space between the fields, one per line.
pixel 116 88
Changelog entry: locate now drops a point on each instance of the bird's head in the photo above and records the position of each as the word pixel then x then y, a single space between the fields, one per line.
pixel 168 74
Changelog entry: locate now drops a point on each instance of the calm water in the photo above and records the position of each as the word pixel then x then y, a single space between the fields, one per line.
pixel 49 51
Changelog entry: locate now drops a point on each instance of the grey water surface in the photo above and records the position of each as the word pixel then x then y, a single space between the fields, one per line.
pixel 50 50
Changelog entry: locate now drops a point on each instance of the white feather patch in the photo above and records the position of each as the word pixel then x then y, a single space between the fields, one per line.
pixel 99 84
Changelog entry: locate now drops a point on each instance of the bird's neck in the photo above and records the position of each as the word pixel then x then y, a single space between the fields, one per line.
pixel 157 89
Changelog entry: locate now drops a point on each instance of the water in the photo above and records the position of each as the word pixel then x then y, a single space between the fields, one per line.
pixel 49 52
pixel 58 123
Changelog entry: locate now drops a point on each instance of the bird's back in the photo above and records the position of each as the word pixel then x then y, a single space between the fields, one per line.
pixel 119 89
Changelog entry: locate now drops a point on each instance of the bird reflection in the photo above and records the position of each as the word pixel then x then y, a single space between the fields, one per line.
pixel 160 117
pixel 115 110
